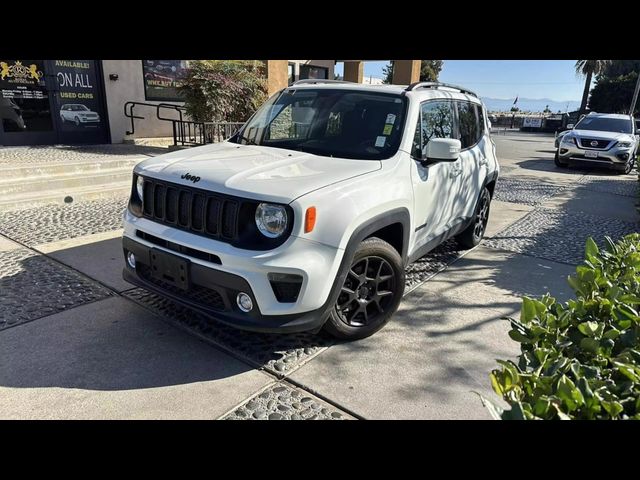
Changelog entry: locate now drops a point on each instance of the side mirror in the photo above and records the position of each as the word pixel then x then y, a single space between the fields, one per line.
pixel 570 126
pixel 442 150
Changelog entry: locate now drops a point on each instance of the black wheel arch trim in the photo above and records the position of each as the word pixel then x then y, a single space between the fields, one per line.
pixel 397 215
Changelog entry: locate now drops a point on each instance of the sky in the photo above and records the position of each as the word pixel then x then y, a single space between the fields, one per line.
pixel 553 79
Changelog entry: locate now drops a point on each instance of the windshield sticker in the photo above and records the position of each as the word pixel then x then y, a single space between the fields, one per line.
pixel 387 129
pixel 391 118
pixel 380 140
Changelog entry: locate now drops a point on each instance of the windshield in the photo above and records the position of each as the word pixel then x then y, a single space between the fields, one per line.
pixel 620 125
pixel 332 123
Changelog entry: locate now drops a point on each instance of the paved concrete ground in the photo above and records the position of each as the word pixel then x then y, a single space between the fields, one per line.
pixel 78 342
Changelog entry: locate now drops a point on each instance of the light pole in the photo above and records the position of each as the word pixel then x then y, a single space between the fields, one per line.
pixel 635 96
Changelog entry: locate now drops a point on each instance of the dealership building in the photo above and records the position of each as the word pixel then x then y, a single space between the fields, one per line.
pixel 83 101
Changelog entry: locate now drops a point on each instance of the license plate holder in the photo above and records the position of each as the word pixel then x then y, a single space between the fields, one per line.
pixel 169 268
pixel 590 154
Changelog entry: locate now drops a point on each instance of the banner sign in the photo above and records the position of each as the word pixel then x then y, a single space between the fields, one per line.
pixel 532 122
pixel 162 79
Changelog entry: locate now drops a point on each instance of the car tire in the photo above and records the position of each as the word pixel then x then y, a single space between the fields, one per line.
pixel 557 161
pixel 360 310
pixel 62 118
pixel 77 121
pixel 628 167
pixel 473 234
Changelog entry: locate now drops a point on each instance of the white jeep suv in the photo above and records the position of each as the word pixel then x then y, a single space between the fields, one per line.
pixel 609 140
pixel 308 216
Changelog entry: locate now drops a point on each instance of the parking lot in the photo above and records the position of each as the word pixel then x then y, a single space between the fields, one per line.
pixel 76 341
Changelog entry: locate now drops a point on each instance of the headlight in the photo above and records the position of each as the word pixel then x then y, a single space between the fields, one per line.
pixel 567 139
pixel 624 144
pixel 271 219
pixel 140 187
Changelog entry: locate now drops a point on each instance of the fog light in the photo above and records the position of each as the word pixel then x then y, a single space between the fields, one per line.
pixel 131 260
pixel 244 302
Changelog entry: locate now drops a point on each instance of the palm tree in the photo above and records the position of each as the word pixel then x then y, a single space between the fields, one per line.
pixel 589 68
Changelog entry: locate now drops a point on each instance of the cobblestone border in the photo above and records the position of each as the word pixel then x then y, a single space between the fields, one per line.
pixel 284 402
pixel 623 187
pixel 527 192
pixel 558 235
pixel 33 286
pixel 35 226
pixel 47 154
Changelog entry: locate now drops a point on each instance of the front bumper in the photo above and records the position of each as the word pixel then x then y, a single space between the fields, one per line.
pixel 212 293
pixel 241 270
pixel 614 157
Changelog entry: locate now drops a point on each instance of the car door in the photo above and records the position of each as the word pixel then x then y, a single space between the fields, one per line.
pixel 473 156
pixel 434 184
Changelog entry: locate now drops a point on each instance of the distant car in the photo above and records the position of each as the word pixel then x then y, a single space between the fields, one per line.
pixel 78 113
pixel 609 140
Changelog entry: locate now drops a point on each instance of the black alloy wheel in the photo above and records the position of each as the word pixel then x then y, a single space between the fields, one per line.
pixel 367 291
pixel 482 216
pixel 472 235
pixel 370 292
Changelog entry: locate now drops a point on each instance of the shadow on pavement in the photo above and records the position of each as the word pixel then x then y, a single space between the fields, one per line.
pixel 107 345
pixel 442 343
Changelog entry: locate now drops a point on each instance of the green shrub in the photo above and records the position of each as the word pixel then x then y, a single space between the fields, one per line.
pixel 580 359
pixel 223 90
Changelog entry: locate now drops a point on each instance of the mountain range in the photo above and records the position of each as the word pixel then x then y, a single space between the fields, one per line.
pixel 529 104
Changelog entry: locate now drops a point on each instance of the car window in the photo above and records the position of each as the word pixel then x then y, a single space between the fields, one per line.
pixel 468 124
pixel 292 122
pixel 329 122
pixel 436 121
pixel 481 122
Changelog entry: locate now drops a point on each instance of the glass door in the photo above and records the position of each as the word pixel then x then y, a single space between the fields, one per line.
pixel 25 103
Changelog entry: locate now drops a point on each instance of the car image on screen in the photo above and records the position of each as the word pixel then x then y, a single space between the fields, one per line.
pixel 78 114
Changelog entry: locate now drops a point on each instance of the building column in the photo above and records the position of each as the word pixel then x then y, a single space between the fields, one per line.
pixel 354 71
pixel 277 75
pixel 406 72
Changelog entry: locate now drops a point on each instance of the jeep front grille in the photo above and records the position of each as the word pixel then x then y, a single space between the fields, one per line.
pixel 196 211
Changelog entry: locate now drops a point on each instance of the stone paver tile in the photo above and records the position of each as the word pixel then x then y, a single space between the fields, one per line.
pixel 285 402
pixel 114 360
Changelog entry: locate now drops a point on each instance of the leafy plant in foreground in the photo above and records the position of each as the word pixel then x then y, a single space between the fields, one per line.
pixel 580 359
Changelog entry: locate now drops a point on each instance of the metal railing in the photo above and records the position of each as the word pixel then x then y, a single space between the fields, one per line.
pixel 185 132
pixel 189 133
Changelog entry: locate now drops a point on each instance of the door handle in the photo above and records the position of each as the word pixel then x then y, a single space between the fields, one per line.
pixel 455 172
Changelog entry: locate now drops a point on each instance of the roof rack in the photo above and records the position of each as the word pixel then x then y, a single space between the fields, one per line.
pixel 317 80
pixel 437 85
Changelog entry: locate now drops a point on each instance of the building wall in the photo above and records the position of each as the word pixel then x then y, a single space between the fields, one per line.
pixel 130 87
pixel 330 64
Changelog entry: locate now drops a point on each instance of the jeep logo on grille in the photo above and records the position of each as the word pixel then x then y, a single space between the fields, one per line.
pixel 193 178
pixel 594 143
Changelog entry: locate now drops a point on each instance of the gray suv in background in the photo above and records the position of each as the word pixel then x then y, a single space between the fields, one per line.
pixel 609 140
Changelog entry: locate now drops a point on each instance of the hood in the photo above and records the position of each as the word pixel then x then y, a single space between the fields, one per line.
pixel 252 171
pixel 603 135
